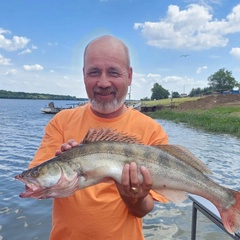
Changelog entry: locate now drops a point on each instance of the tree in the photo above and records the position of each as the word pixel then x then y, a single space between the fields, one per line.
pixel 145 99
pixel 158 92
pixel 222 80
pixel 176 95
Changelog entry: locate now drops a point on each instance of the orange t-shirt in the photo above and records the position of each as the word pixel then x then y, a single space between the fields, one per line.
pixel 96 212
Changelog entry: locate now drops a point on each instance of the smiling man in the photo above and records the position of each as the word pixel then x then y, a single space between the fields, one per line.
pixel 108 210
pixel 107 75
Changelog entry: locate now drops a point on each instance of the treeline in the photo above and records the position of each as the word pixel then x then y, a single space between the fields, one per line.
pixel 219 82
pixel 201 91
pixel 42 96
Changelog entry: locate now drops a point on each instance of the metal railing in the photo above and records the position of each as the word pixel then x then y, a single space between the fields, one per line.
pixel 210 211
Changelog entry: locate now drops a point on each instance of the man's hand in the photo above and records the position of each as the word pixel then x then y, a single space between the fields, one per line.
pixel 66 146
pixel 135 194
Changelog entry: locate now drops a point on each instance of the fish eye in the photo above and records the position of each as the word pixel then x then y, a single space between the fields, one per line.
pixel 34 173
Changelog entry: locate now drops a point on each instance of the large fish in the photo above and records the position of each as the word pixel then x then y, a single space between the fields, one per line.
pixel 104 152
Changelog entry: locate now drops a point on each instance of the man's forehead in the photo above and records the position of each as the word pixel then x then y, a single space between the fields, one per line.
pixel 106 48
pixel 106 52
pixel 110 59
pixel 103 65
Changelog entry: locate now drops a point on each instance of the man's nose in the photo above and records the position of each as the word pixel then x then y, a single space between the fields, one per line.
pixel 104 81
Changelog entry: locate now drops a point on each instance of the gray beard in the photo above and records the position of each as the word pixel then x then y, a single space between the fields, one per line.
pixel 107 107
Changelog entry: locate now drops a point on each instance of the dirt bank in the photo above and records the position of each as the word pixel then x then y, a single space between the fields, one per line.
pixel 211 101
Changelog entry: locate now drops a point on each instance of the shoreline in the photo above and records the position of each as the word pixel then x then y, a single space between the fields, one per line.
pixel 221 119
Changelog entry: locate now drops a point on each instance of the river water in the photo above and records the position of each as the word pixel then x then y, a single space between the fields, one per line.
pixel 22 127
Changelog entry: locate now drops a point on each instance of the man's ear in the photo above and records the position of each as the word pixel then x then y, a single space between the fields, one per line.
pixel 130 76
pixel 83 70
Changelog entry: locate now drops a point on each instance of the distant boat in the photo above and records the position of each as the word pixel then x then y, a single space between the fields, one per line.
pixel 51 109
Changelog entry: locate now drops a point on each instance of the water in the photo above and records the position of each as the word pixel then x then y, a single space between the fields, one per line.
pixel 22 127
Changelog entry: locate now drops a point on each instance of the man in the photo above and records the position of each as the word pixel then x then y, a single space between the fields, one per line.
pixel 107 210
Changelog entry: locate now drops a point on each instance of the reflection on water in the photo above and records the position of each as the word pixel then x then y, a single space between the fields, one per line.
pixel 22 126
pixel 166 222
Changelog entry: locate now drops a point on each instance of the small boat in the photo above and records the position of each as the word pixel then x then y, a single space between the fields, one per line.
pixel 51 109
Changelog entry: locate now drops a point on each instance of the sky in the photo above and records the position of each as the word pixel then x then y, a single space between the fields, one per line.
pixel 177 44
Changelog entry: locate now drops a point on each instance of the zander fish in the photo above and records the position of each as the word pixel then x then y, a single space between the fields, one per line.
pixel 102 155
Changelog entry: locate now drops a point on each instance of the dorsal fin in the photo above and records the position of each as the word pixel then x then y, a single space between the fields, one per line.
pixel 185 155
pixel 108 134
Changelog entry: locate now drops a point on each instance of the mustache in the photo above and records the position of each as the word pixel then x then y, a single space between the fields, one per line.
pixel 104 91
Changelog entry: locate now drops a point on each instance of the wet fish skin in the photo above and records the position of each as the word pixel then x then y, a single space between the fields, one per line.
pixel 173 168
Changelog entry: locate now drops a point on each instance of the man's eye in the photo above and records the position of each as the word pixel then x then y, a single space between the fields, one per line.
pixel 114 73
pixel 93 73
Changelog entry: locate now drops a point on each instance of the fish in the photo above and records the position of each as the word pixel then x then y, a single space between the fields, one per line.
pixel 102 155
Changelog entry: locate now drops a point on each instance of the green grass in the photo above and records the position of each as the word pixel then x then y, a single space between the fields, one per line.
pixel 175 101
pixel 217 120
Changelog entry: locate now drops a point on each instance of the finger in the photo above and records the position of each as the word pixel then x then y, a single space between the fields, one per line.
pixel 72 142
pixel 147 178
pixel 134 175
pixel 65 147
pixel 125 177
pixel 57 153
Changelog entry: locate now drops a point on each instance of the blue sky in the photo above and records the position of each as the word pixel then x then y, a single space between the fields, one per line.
pixel 42 42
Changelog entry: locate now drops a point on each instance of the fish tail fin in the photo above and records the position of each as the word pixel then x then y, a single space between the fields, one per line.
pixel 231 216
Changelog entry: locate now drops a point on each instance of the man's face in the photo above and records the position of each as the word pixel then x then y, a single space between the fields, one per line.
pixel 106 76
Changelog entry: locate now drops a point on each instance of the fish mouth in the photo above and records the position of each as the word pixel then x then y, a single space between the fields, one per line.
pixel 63 188
pixel 29 192
pixel 32 189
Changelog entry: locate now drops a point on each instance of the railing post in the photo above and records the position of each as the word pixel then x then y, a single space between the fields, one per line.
pixel 194 222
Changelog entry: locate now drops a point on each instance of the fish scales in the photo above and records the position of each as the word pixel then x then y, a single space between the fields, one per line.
pixel 171 171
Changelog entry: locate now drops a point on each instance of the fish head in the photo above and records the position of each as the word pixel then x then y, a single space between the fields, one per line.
pixel 46 181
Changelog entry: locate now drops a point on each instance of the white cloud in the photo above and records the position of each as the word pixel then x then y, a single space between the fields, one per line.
pixel 18 79
pixel 26 51
pixel 200 69
pixel 11 72
pixel 4 31
pixel 235 52
pixel 35 67
pixel 153 76
pixel 206 3
pixel 143 83
pixel 34 47
pixel 12 44
pixel 192 28
pixel 4 61
pixel 51 44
